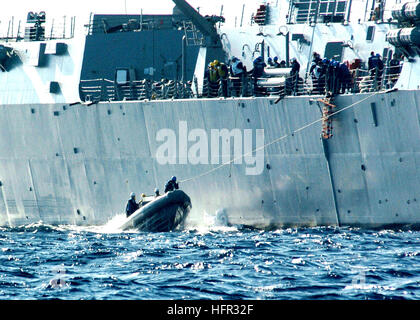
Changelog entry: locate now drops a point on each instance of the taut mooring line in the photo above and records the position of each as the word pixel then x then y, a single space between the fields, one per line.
pixel 283 137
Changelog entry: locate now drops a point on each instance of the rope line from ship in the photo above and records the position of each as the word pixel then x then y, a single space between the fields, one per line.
pixel 325 116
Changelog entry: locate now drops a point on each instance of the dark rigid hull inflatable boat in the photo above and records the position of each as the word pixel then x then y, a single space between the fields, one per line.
pixel 164 213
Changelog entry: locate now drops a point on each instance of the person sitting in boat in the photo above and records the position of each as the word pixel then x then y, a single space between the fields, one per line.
pixel 143 200
pixel 132 205
pixel 171 185
pixel 157 194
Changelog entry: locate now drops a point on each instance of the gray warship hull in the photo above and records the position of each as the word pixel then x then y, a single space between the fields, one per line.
pixel 87 118
pixel 62 165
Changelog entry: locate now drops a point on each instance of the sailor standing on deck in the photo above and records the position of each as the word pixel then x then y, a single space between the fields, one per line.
pixel 238 71
pixel 171 185
pixel 294 76
pixel 132 205
pixel 223 73
pixel 257 72
pixel 372 63
pixel 276 62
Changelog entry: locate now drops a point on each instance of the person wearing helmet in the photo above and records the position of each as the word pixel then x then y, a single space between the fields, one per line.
pixel 276 62
pixel 238 73
pixel 157 192
pixel 171 185
pixel 213 78
pixel 143 200
pixel 132 205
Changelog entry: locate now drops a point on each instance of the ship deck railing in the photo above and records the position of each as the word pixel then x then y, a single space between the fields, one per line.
pixel 358 81
pixel 130 23
pixel 108 90
pixel 53 28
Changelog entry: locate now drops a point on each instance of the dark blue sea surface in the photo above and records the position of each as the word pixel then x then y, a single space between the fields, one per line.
pixel 46 262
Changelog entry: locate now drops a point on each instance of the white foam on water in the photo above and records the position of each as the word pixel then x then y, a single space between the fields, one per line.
pixel 207 222
pixel 113 225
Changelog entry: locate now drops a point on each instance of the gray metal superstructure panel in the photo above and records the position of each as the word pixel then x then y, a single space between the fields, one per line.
pixel 158 49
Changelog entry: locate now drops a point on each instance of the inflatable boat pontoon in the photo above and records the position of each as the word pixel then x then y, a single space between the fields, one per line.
pixel 164 213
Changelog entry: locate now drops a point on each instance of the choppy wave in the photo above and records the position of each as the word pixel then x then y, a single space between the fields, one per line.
pixel 205 261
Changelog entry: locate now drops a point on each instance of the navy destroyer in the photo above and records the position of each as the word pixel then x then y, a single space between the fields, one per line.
pixel 88 117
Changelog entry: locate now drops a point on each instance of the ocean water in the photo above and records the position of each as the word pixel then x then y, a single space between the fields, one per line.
pixel 68 262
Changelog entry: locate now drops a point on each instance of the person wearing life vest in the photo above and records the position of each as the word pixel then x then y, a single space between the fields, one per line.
pixel 143 200
pixel 314 70
pixel 394 70
pixel 132 205
pixel 276 62
pixel 380 69
pixel 171 185
pixel 394 65
pixel 213 79
pixel 315 60
pixel 372 63
pixel 257 73
pixel 213 73
pixel 238 72
pixel 318 76
pixel 294 75
pixel 259 66
pixel 344 78
pixel 223 73
pixel 157 192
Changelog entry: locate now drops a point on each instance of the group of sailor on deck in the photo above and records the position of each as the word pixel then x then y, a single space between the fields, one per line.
pixel 328 76
pixel 132 205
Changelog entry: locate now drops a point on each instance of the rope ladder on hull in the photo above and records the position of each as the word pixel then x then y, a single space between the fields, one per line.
pixel 327 112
